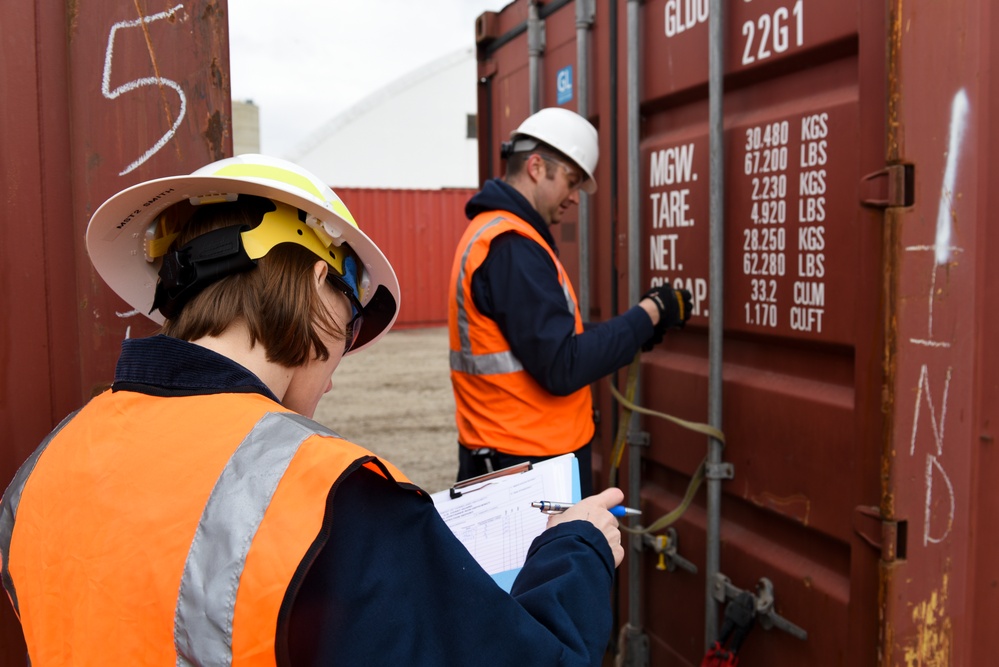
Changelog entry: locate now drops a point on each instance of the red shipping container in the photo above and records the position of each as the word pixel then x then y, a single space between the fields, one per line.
pixel 96 97
pixel 856 384
pixel 418 230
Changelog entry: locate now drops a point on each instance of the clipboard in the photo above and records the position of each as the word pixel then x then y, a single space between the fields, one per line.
pixel 474 483
pixel 491 515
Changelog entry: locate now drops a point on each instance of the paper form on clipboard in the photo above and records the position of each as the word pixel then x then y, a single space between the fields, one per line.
pixel 492 515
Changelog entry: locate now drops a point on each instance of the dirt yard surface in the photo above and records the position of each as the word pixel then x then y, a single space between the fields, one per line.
pixel 395 399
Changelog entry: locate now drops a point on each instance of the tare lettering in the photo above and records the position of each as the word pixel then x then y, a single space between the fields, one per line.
pixel 670 209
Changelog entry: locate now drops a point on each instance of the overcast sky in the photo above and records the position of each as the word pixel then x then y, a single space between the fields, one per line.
pixel 304 61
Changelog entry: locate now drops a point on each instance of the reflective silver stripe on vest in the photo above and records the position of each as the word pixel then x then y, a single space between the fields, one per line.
pixel 8 509
pixel 570 304
pixel 206 602
pixel 495 363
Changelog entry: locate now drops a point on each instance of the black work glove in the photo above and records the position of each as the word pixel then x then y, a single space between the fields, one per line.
pixel 674 310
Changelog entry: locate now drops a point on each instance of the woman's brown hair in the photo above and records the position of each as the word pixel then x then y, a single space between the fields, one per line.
pixel 277 300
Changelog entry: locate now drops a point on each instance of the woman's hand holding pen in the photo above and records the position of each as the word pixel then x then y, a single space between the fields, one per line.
pixel 596 510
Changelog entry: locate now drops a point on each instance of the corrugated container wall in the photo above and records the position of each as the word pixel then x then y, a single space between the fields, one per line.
pixel 418 230
pixel 817 173
pixel 95 96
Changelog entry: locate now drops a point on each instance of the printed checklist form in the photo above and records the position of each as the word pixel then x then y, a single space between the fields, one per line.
pixel 492 515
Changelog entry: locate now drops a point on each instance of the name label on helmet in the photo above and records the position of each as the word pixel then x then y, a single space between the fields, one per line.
pixel 128 218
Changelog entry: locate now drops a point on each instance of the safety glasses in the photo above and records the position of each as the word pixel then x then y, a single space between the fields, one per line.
pixel 353 329
pixel 573 178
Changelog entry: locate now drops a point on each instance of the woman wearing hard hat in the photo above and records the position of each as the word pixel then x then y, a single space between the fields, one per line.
pixel 195 515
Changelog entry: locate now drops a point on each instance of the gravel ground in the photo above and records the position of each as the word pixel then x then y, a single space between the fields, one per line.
pixel 395 399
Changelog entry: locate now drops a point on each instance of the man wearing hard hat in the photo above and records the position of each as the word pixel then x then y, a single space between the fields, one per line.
pixel 521 359
pixel 194 514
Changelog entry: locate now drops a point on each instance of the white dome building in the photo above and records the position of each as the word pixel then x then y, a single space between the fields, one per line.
pixel 418 132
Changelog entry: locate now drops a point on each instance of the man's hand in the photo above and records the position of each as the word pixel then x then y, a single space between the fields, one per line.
pixel 596 510
pixel 673 307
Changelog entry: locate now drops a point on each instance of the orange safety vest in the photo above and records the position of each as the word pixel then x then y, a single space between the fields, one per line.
pixel 498 404
pixel 179 547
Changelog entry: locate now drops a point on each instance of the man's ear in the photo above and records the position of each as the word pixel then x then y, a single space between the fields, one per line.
pixel 535 167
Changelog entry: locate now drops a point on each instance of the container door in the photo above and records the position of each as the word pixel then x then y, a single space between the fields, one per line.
pixel 859 393
pixel 803 313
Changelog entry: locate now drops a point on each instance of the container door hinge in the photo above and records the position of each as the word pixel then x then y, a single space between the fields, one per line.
pixel 764 597
pixel 889 536
pixel 889 187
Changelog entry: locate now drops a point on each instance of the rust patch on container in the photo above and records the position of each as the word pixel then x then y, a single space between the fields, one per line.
pixel 931 647
pixel 892 137
pixel 156 70
pixel 218 74
pixel 72 12
pixel 214 135
pixel 796 506
pixel 891 245
pixel 209 13
pixel 886 629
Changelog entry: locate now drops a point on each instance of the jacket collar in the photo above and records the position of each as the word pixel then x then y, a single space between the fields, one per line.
pixel 498 195
pixel 165 366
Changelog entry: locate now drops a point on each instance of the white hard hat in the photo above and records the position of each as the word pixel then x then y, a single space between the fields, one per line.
pixel 567 132
pixel 126 246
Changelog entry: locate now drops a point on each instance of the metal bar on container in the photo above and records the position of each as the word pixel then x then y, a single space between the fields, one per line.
pixel 614 181
pixel 634 287
pixel 716 73
pixel 584 20
pixel 535 47
pixel 507 37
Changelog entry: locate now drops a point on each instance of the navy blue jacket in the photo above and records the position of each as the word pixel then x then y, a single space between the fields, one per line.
pixel 517 286
pixel 392 585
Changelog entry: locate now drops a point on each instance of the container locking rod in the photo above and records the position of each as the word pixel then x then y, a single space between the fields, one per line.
pixel 667 546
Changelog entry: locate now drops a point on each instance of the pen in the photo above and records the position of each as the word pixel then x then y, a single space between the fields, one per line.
pixel 549 507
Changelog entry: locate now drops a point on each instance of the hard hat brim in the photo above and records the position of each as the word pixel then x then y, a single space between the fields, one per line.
pixel 116 238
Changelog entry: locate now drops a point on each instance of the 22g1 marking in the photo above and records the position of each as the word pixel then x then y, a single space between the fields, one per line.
pixel 773 33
